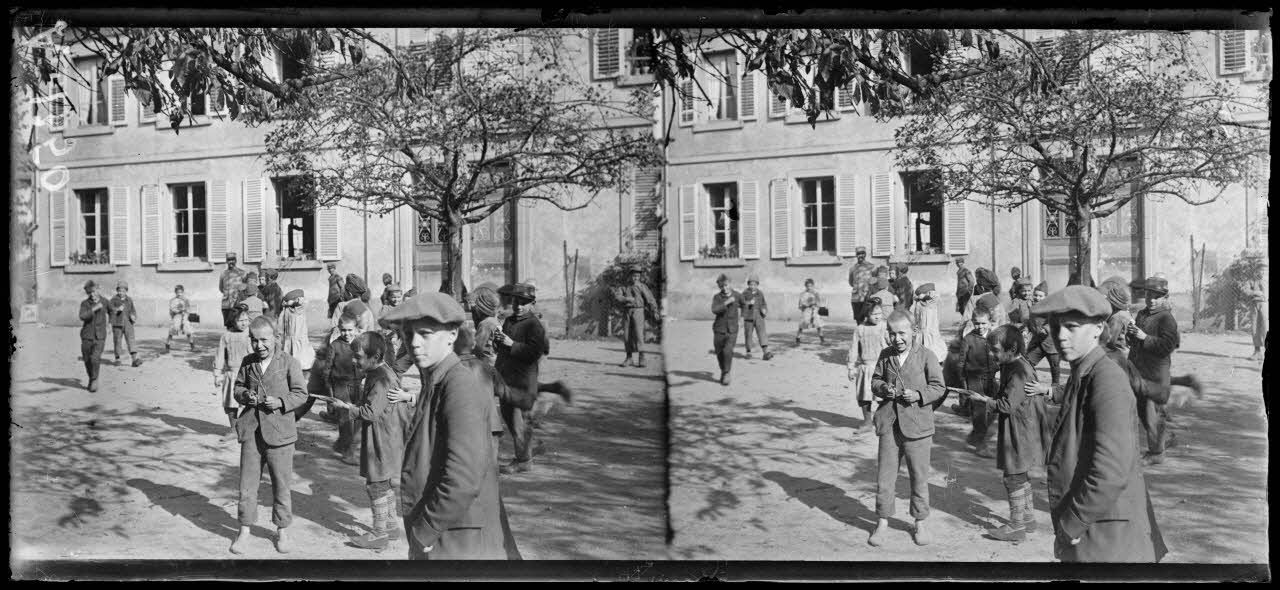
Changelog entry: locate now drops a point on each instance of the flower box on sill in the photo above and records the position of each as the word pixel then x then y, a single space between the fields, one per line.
pixel 718 262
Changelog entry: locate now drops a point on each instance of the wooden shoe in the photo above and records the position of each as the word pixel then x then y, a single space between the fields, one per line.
pixel 283 544
pixel 373 541
pixel 877 537
pixel 1008 534
pixel 921 535
pixel 240 543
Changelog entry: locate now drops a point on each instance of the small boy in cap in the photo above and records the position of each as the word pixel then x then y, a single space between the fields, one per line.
pixel 450 499
pixel 123 316
pixel 727 306
pixel 977 369
pixel 907 382
pixel 344 382
pixel 810 301
pixel 1152 337
pixel 272 295
pixel 1042 344
pixel 638 301
pixel 754 310
pixel 93 335
pixel 1019 306
pixel 903 288
pixel 521 344
pixel 179 318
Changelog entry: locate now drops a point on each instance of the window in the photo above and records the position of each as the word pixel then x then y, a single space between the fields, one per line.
pixel 639 53
pixel 818 210
pixel 924 215
pixel 723 223
pixel 722 85
pixel 94 226
pixel 429 231
pixel 293 58
pixel 1245 52
pixel 296 231
pixel 190 222
pixel 90 93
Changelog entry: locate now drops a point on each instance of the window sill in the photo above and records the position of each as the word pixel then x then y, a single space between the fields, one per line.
pixel 921 258
pixel 162 124
pixel 88 131
pixel 198 266
pixel 718 262
pixel 635 80
pixel 287 265
pixel 815 260
pixel 88 269
pixel 799 118
pixel 717 125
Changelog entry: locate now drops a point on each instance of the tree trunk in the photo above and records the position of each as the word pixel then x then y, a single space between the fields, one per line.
pixel 1082 249
pixel 451 277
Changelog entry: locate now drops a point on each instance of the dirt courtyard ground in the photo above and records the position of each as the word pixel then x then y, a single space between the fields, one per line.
pixel 141 470
pixel 768 468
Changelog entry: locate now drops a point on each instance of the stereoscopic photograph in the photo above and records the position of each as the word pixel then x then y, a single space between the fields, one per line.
pixel 654 291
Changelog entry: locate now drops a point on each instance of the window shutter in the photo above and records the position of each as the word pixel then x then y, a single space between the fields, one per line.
pixel 749 219
pixel 219 200
pixel 703 217
pixel 846 218
pixel 747 97
pixel 151 224
pixel 255 242
pixel 881 215
pixel 328 234
pixel 607 53
pixel 121 220
pixel 59 241
pixel 781 218
pixel 688 223
pixel 844 98
pixel 687 108
pixel 1232 52
pixel 115 85
pixel 58 108
pixel 645 211
pixel 777 105
pixel 955 235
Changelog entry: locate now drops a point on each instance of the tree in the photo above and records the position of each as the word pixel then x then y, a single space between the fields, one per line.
pixel 1085 124
pixel 493 118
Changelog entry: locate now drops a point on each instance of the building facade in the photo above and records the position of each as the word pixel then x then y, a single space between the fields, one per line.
pixel 121 196
pixel 755 191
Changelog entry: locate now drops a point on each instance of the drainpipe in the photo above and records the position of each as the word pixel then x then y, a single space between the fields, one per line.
pixel 366 241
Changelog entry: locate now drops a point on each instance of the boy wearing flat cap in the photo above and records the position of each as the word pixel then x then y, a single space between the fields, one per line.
pixel 1098 498
pixel 449 480
pixel 1041 345
pixel 123 317
pixel 521 344
pixel 727 306
pixel 1152 338
pixel 93 335
pixel 638 301
pixel 754 310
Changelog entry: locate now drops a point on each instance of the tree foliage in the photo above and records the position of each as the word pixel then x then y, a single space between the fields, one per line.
pixel 493 118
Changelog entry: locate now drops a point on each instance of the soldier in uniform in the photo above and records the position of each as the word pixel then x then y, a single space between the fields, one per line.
pixel 229 284
pixel 860 281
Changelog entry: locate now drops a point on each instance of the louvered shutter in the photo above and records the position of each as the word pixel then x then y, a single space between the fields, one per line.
pixel 59 204
pixel 1232 52
pixel 780 220
pixel 749 219
pixel 58 107
pixel 955 220
pixel 115 101
pixel 687 108
pixel 607 54
pixel 645 218
pixel 881 215
pixel 777 105
pixel 121 222
pixel 151 240
pixel 219 201
pixel 747 97
pixel 328 234
pixel 844 98
pixel 688 223
pixel 255 230
pixel 703 216
pixel 846 218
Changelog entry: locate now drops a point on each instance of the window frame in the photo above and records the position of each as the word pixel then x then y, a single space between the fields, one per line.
pixel 936 225
pixel 98 90
pixel 733 233
pixel 802 222
pixel 191 234
pixel 282 189
pixel 102 216
pixel 728 83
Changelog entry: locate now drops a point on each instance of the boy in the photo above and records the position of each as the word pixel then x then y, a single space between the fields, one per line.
pixel 978 372
pixel 93 336
pixel 726 304
pixel 888 301
pixel 1041 345
pixel 925 316
pixel 907 383
pixel 343 380
pixel 903 289
pixel 1015 273
pixel 272 295
pixel 387 280
pixel 520 344
pixel 754 310
pixel 123 316
pixel 810 301
pixel 179 321
pixel 638 300
pixel 269 384
pixel 336 289
pixel 249 288
pixel 1019 307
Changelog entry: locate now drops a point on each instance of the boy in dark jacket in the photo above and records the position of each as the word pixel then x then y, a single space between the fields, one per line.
pixel 1152 337
pixel 907 384
pixel 343 379
pixel 272 295
pixel 978 372
pixel 903 289
pixel 93 336
pixel 521 344
pixel 123 317
pixel 754 310
pixel 727 306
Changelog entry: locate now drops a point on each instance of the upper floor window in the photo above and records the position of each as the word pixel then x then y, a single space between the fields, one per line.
pixel 924 215
pixel 625 52
pixel 1245 52
pixel 721 85
pixel 90 92
pixel 639 53
pixel 297 226
pixel 818 203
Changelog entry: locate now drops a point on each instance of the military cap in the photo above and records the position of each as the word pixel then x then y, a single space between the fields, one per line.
pixel 90 285
pixel 723 278
pixel 355 308
pixel 122 283
pixel 1086 301
pixel 507 289
pixel 231 256
pixel 436 307
pixel 753 279
pixel 1043 287
pixel 959 258
pixel 1022 282
pixel 394 288
pixel 331 266
pixel 294 294
pixel 860 250
pixel 253 304
pixel 925 288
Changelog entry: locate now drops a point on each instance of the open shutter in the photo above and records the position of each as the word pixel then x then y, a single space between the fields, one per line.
pixel 219 201
pixel 777 105
pixel 779 196
pixel 703 216
pixel 687 109
pixel 255 230
pixel 115 101
pixel 688 223
pixel 747 97
pixel 845 98
pixel 881 215
pixel 328 234
pixel 846 207
pixel 58 107
pixel 955 220
pixel 151 240
pixel 1232 52
pixel 120 223
pixel 749 218
pixel 607 54
pixel 59 242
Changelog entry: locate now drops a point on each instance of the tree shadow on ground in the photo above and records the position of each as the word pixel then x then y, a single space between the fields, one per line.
pixel 201 359
pixel 695 375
